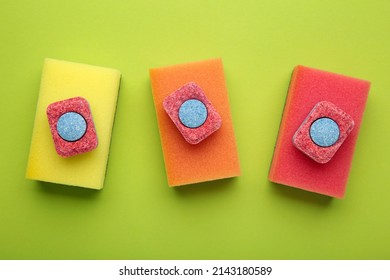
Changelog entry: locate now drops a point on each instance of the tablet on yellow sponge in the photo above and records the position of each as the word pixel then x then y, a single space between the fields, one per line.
pixel 63 81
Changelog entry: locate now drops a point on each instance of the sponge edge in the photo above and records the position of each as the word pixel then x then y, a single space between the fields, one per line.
pixel 215 157
pixel 289 165
pixel 63 80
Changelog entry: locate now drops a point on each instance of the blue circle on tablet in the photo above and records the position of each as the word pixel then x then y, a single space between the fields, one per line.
pixel 324 132
pixel 71 126
pixel 192 113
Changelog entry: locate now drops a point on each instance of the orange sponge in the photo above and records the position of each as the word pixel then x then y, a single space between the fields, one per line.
pixel 215 157
pixel 290 166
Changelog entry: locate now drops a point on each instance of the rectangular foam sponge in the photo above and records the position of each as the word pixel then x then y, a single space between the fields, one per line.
pixel 291 166
pixel 62 80
pixel 215 157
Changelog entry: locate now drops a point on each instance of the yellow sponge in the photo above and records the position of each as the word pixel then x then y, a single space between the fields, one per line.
pixel 62 80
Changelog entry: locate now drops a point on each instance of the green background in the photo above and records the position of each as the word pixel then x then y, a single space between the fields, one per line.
pixel 136 215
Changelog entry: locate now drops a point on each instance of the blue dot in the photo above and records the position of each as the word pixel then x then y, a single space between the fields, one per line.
pixel 192 113
pixel 71 126
pixel 324 132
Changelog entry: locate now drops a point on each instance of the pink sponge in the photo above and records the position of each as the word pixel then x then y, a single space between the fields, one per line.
pixel 292 167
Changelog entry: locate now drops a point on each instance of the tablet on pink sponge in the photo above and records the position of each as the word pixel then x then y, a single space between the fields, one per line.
pixel 318 132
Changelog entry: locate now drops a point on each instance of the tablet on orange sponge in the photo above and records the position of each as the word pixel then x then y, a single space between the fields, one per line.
pixel 73 123
pixel 318 131
pixel 213 154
